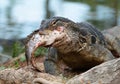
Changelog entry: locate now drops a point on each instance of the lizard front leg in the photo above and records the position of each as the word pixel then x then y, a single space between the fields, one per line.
pixel 51 62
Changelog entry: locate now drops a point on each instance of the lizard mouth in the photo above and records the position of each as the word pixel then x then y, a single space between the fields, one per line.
pixel 51 37
pixel 45 39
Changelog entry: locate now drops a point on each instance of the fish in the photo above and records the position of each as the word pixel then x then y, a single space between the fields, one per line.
pixel 39 38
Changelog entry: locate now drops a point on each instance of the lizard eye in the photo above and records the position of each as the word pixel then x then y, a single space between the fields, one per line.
pixel 54 22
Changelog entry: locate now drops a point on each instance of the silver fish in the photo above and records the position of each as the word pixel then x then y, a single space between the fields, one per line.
pixel 40 38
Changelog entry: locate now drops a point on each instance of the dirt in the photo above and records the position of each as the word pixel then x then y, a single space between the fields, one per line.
pixel 16 63
pixel 66 74
pixel 12 63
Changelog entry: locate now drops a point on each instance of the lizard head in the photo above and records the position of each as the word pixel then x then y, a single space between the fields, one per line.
pixel 54 31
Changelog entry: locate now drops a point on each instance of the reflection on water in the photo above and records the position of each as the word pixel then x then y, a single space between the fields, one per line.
pixel 18 18
pixel 21 17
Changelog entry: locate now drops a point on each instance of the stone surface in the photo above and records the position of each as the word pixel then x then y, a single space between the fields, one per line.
pixel 4 58
pixel 112 37
pixel 106 73
pixel 27 75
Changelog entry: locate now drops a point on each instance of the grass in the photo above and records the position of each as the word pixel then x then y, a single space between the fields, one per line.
pixel 16 64
pixel 2 67
pixel 41 51
pixel 18 48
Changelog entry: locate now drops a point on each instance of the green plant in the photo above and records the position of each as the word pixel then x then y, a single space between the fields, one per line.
pixel 2 67
pixel 16 64
pixel 40 51
pixel 17 49
pixel 22 59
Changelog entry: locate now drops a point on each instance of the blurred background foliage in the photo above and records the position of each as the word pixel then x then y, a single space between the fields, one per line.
pixel 18 18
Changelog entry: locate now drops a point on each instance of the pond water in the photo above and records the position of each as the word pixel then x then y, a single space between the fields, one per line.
pixel 18 18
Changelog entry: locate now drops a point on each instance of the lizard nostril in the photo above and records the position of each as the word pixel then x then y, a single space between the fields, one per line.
pixel 60 28
pixel 41 33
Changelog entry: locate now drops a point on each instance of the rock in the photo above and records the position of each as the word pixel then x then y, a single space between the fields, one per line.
pixel 4 58
pixel 27 75
pixel 1 48
pixel 106 73
pixel 115 31
pixel 112 37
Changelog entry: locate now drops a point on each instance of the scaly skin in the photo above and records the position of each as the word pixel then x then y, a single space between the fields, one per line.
pixel 78 45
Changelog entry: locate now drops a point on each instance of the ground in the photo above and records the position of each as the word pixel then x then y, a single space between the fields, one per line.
pixel 20 68
pixel 17 63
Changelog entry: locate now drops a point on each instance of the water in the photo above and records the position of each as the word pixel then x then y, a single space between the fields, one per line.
pixel 18 18
pixel 24 18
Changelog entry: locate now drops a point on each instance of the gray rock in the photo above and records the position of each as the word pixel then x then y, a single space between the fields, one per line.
pixel 1 49
pixel 112 37
pixel 105 73
pixel 4 58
